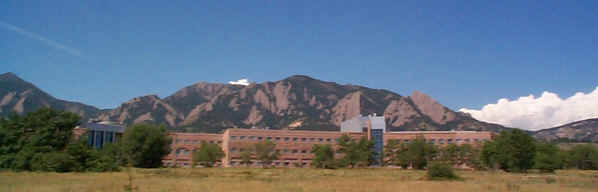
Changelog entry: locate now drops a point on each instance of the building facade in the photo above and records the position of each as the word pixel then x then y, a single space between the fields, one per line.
pixel 295 146
pixel 100 133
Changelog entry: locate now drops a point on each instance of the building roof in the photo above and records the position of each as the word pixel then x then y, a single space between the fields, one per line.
pixel 105 127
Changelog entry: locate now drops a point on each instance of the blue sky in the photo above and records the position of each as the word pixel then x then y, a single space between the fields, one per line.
pixel 462 53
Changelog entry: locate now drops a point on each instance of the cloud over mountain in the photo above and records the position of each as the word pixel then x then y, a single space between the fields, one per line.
pixel 244 82
pixel 533 113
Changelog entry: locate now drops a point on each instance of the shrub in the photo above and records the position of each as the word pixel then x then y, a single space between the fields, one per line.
pixel 441 171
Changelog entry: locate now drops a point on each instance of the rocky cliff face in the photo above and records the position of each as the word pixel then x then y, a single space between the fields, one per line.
pixel 19 96
pixel 580 131
pixel 297 102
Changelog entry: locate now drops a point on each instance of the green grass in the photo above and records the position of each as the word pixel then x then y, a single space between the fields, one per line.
pixel 254 179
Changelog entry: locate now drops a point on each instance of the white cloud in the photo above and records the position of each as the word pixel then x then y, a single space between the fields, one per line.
pixel 243 82
pixel 47 41
pixel 546 111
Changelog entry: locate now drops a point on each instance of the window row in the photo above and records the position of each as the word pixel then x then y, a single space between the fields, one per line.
pixel 282 151
pixel 442 140
pixel 194 141
pixel 296 139
pixel 275 163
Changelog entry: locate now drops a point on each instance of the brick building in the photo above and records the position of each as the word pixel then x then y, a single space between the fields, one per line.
pixel 295 146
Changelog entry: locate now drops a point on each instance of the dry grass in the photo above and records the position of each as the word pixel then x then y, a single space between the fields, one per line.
pixel 251 179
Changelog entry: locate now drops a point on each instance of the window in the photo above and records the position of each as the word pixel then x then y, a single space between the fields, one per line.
pixel 268 138
pixel 303 151
pixel 260 138
pixel 449 141
pixel 320 139
pixel 458 140
pixel 241 137
pixel 241 150
pixel 328 139
pixel 233 149
pixel 233 137
pixel 466 140
pixel 476 140
pixel 295 138
pixel 432 140
pixel 303 139
pixel 212 142
pixel 406 140
pixel 312 139
pixel 277 138
pixel 285 150
pixel 219 142
pixel 286 139
pixel 295 150
pixel 251 137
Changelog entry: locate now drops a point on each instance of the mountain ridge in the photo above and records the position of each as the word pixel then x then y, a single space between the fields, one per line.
pixel 296 102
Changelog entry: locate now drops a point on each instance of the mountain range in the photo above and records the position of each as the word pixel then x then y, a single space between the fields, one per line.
pixel 297 102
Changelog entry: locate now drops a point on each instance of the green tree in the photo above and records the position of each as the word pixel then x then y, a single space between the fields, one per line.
pixel 390 152
pixel 145 145
pixel 265 152
pixel 355 152
pixel 23 138
pixel 584 157
pixel 512 151
pixel 208 154
pixel 420 152
pixel 245 158
pixel 547 157
pixel 323 156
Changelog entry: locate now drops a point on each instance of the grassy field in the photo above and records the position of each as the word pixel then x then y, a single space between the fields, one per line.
pixel 263 180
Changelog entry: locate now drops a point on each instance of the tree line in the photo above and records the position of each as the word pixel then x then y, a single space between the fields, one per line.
pixel 43 140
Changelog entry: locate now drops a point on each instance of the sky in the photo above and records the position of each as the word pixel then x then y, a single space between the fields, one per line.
pixel 468 55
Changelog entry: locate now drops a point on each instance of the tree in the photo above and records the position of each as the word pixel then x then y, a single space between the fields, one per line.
pixel 511 151
pixel 324 156
pixel 265 152
pixel 355 153
pixel 547 157
pixel 43 141
pixel 208 154
pixel 245 158
pixel 584 157
pixel 145 145
pixel 420 152
pixel 390 152
pixel 33 135
pixel 460 154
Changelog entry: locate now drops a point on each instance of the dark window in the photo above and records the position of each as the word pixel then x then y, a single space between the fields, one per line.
pixel 286 139
pixel 259 138
pixel 241 137
pixel 295 138
pixel 277 138
pixel 303 139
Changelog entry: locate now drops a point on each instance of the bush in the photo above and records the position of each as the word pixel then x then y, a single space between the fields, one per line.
pixel 441 171
pixel 53 162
